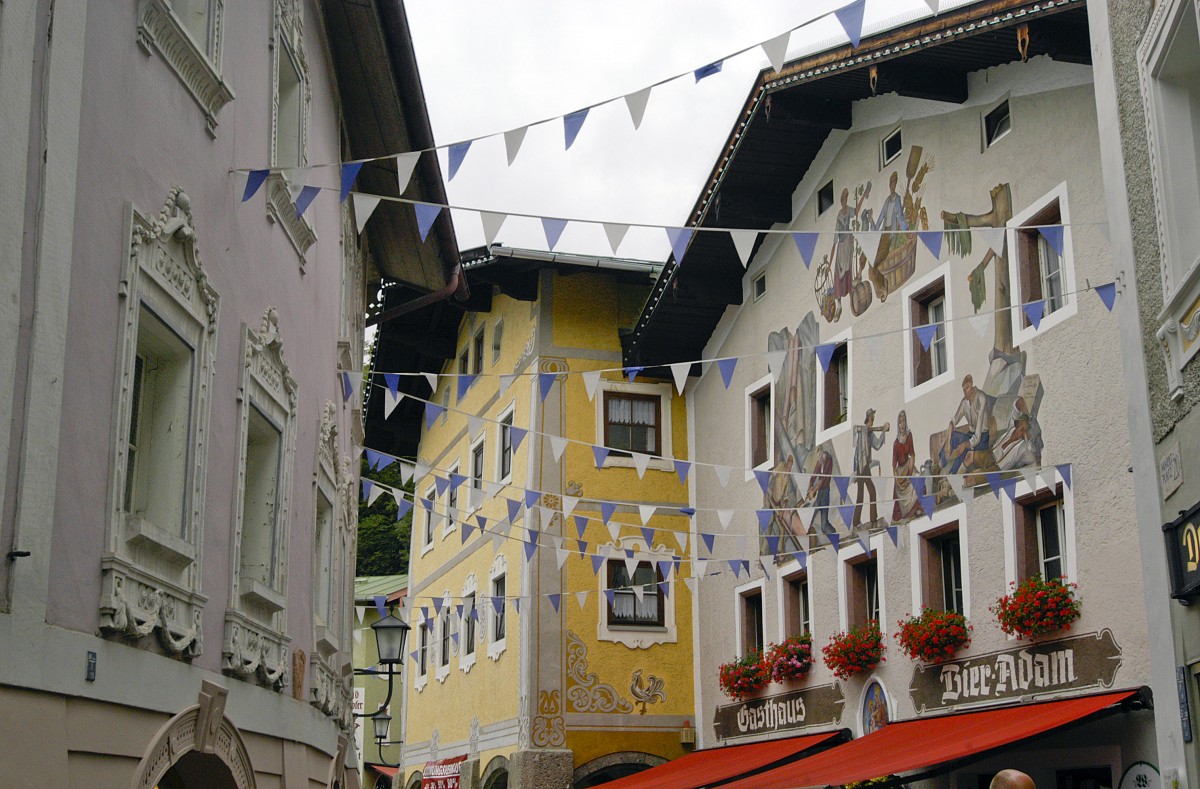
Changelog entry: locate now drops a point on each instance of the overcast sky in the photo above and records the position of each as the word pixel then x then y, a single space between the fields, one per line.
pixel 492 65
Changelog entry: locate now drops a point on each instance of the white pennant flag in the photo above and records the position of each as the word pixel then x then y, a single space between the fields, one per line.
pixel 474 425
pixel 405 164
pixel 768 565
pixel 933 5
pixel 614 531
pixel 875 347
pixel 725 516
pixel 390 401
pixel 432 379
pixel 558 445
pixel 475 498
pixel 699 567
pixel 690 583
pixel 968 502
pixel 568 505
pixel 723 473
pixel 640 462
pixel 646 511
pixel 297 179
pixel 956 485
pixel 492 488
pixel 1049 476
pixel 639 591
pixel 364 206
pixel 636 102
pixel 375 492
pixel 512 142
pixel 562 554
pixel 992 237
pixel 776 50
pixel 506 381
pixel 743 242
pixel 681 537
pixel 1030 476
pixel 406 472
pixel 360 610
pixel 680 372
pixel 420 470
pixel 980 323
pixel 631 563
pixel 591 380
pixel 492 222
pixel 616 234
pixel 497 541
pixel 581 598
pixel 775 361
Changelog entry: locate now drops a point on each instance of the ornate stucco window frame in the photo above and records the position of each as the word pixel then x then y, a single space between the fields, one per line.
pixel 151 579
pixel 255 644
pixel 636 636
pixel 160 30
pixel 287 40
pixel 443 632
pixel 466 661
pixel 496 648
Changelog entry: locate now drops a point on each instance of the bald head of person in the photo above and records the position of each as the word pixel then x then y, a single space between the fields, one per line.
pixel 1011 779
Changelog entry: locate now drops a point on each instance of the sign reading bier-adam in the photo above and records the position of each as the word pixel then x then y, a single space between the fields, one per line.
pixel 1078 662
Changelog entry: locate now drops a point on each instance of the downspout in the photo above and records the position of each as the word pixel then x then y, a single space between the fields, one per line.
pixel 456 286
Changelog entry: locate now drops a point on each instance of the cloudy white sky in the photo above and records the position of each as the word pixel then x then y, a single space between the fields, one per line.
pixel 492 65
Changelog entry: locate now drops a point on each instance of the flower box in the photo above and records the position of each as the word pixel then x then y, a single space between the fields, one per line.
pixel 745 675
pixel 790 659
pixel 1037 606
pixel 934 636
pixel 856 650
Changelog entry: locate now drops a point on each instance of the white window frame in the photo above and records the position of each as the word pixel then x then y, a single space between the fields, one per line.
pixel 984 143
pixel 767 382
pixel 739 624
pixel 507 413
pixel 478 444
pixel 199 68
pixel 497 341
pixel 921 526
pixel 884 159
pixel 429 527
pixel 636 636
pixel 497 647
pixel 467 660
pixel 164 272
pixel 420 679
pixel 845 556
pixel 1070 306
pixel 826 433
pixel 666 394
pixel 754 285
pixel 913 390
pixel 783 578
pixel 1009 514
pixel 444 632
pixel 452 515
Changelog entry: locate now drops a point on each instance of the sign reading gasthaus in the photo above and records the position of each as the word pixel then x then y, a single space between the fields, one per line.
pixel 1066 664
pixel 796 709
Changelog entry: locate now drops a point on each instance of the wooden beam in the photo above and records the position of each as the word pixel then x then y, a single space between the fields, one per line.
pixel 921 83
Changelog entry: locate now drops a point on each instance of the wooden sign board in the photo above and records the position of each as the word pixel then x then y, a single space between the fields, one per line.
pixel 796 709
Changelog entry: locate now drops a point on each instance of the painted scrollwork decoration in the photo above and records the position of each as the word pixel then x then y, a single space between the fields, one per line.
pixel 549 728
pixel 585 691
pixel 649 692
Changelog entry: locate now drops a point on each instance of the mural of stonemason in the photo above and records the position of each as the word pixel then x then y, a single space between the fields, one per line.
pixel 797 709
pixel 1066 664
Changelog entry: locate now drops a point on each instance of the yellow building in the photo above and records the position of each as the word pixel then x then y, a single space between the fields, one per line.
pixel 533 656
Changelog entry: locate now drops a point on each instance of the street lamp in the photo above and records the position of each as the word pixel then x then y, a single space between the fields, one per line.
pixel 390 635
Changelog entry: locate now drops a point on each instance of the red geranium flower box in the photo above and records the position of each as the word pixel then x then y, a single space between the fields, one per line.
pixel 741 677
pixel 934 636
pixel 858 649
pixel 790 659
pixel 1038 606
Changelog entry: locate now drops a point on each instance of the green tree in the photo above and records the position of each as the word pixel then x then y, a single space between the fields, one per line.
pixel 383 541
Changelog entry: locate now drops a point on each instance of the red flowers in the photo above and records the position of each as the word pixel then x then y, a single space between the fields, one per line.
pixel 745 675
pixel 1036 607
pixel 934 636
pixel 858 649
pixel 791 659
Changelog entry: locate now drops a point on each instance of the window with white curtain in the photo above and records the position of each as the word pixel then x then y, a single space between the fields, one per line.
pixel 628 607
pixel 632 422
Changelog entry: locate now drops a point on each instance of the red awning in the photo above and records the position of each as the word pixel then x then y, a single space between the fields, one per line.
pixel 384 770
pixel 716 764
pixel 925 742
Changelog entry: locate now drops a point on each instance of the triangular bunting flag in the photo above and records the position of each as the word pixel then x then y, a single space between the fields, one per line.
pixel 254 181
pixel 851 19
pixel 926 333
pixel 768 566
pixel 492 222
pixel 554 600
pixel 518 435
pixel 764 479
pixel 707 71
pixel 679 238
pixel 776 50
pixel 847 513
pixel 506 381
pixel 1034 311
pixel 531 498
pixel 600 454
pixel 893 534
pixel 932 239
pixel 405 164
pixel 305 198
pixel 993 237
pixel 581 524
pixel 465 382
pixel 572 123
pixel 641 462
pixel 531 544
pixel 474 425
pixel 834 540
pixel 636 103
pixel 545 381
pixel 993 480
pixel 615 233
pixel 632 372
pixel 727 366
pixel 1107 294
pixel 597 563
pixel 349 173
pixel 403 507
pixel 764 518
pixel 432 379
pixel 426 214
pixel 512 142
pixel 825 354
pixel 646 512
pixel 743 243
pixel 1064 470
pixel 708 540
pixel 725 516
pixel 590 380
pixel 723 473
pixel 980 323
pixel 648 536
pixel 806 243
pixel 360 611
pixel 614 531
pixel 364 206
pixel 607 508
pixel 1054 235
pixel 682 467
pixel 679 371
pixel 553 228
pixel 514 509
pixel 558 445
pixel 843 486
pixel 581 599
pixel 775 362
pixel 568 506
pixel 457 153
pixel 441 484
pixel 561 554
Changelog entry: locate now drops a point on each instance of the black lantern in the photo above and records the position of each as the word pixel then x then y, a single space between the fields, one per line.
pixel 390 635
pixel 382 722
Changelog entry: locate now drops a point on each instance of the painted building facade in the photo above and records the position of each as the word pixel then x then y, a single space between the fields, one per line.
pixel 539 656
pixel 179 468
pixel 920 425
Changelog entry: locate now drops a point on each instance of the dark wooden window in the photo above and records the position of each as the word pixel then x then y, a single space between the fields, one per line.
pixel 468 629
pixel 837 386
pixel 825 198
pixel 506 447
pixel 477 467
pixel 1041 535
pixel 1039 265
pixel 429 496
pixel 760 426
pixel 626 610
pixel 632 422
pixel 464 362
pixel 498 592
pixel 451 503
pixel 445 626
pixel 478 366
pixel 797 606
pixel 940 554
pixel 752 621
pixel 997 123
pixel 926 308
pixel 423 656
pixel 862 590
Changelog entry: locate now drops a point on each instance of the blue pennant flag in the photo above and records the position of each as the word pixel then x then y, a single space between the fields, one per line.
pixel 373 457
pixel 610 595
pixel 554 600
pixel 456 479
pixel 1054 235
pixel 404 506
pixel 441 484
pixel 926 333
pixel 458 611
pixel 847 513
pixel 736 566
pixel 1034 311
pixel 553 228
pixel 457 153
pixel 1009 486
pixel 851 19
pixel 531 498
pixel 583 546
pixel 454 638
pixel 432 412
pixel 664 589
pixel 426 214
pixel 514 509
pixel 682 467
pixel 746 567
pixel 437 606
pixel 727 366
pixel 305 198
pixel 415 655
pixel 581 523
pixel 597 563
pixel 482 522
pixel 993 481
pixel 518 435
pixel 607 508
pixel 688 511
pixel 632 372
pixel 932 239
pixel 1064 470
pixel 825 354
pixel 865 542
pixel 347 387
pixel 834 539
pixel 393 383
pixel 764 518
pixel 648 536
pixel 679 238
pixel 530 544
pixel 516 604
pixel 893 533
pixel 545 381
pixel 383 461
pixel 1107 294
pixel 801 558
pixel 843 486
pixel 381 605
pixel 465 382
pixel 366 488
pixel 772 544
pixel 918 485
pixel 427 504
pixel 497 604
pixel 764 479
pixel 707 71
pixel 572 123
pixel 806 242
pixel 349 173
pixel 254 182
pixel 601 455
pixel 708 540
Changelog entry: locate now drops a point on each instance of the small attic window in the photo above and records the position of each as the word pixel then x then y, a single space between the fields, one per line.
pixel 760 286
pixel 996 124
pixel 825 198
pixel 890 149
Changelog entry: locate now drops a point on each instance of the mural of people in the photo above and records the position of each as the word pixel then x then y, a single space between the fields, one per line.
pixel 1021 444
pixel 904 464
pixel 961 444
pixel 844 245
pixel 867 437
pixel 785 520
pixel 818 492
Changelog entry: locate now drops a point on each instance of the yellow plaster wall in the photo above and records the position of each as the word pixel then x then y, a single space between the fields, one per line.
pixel 589 745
